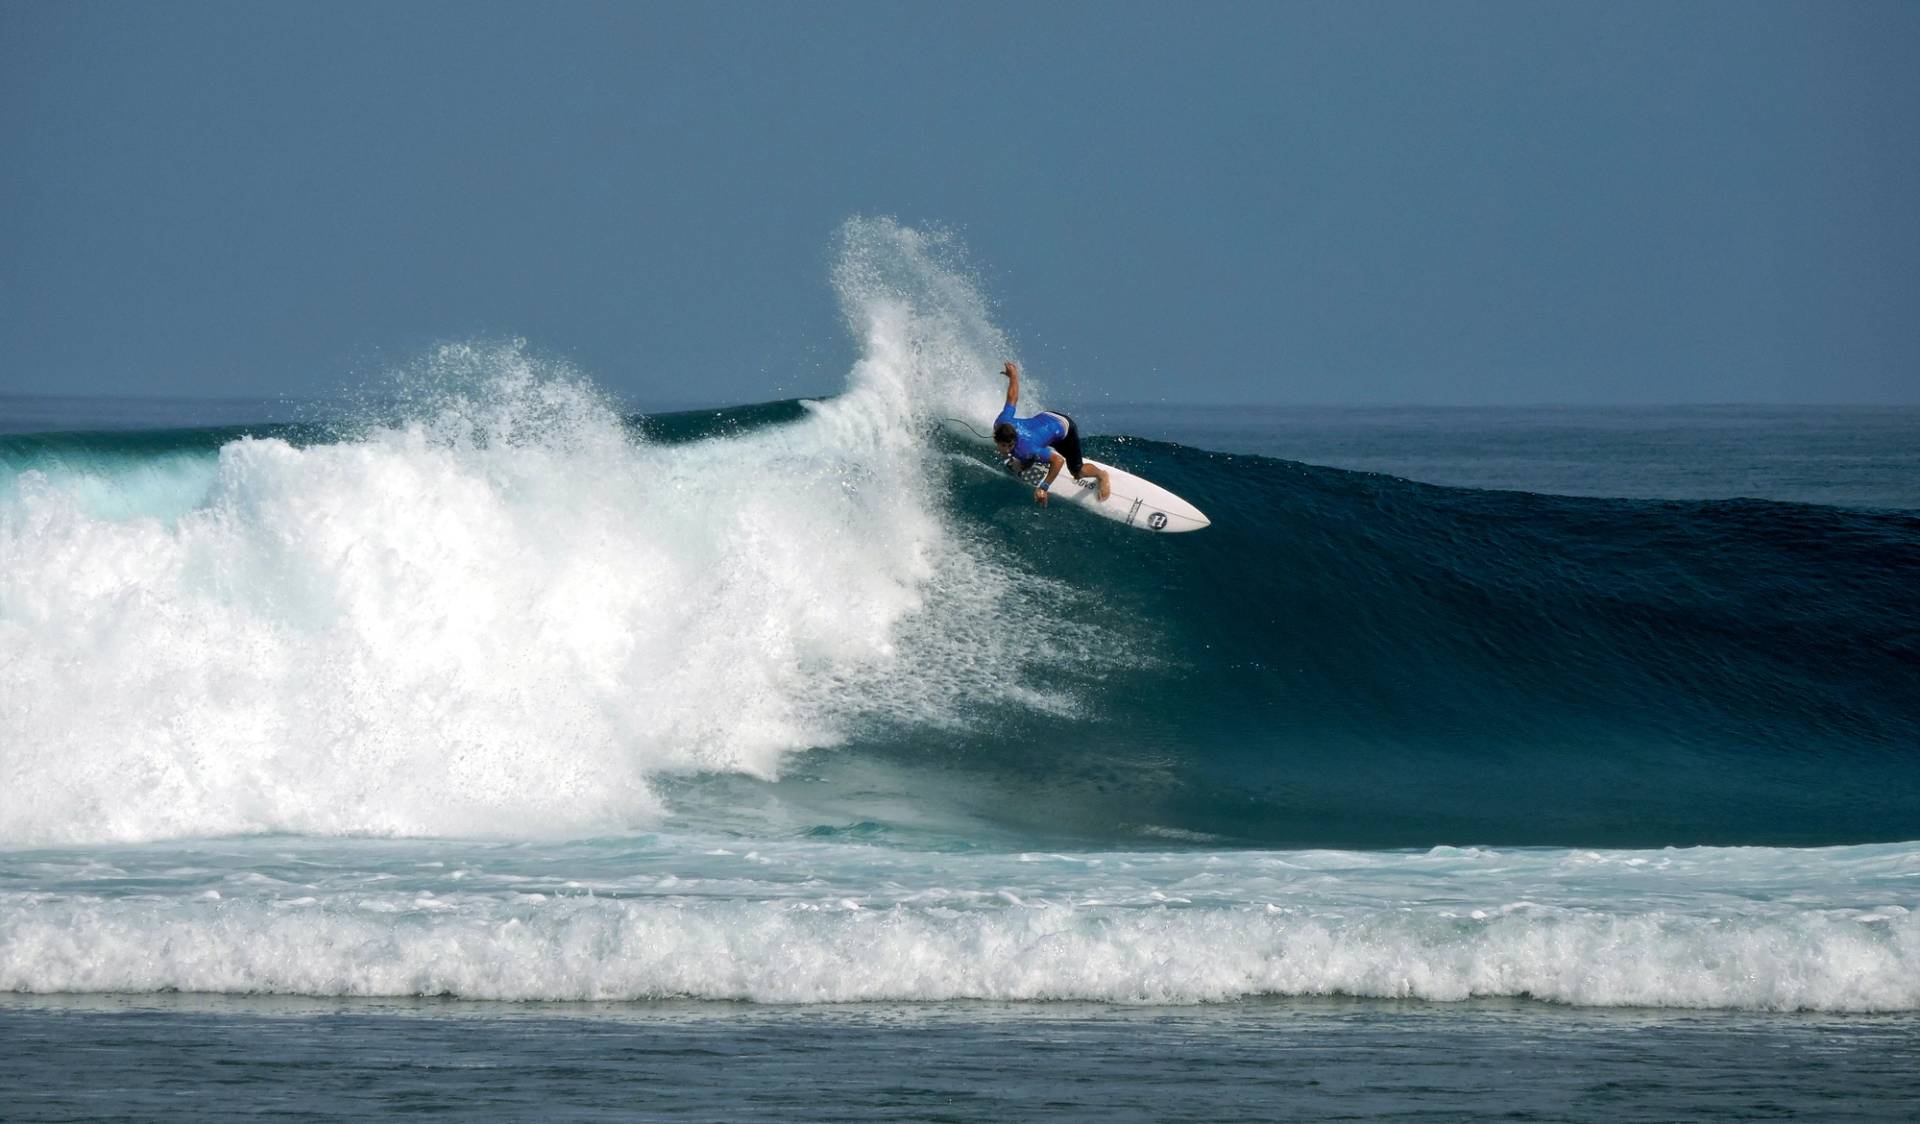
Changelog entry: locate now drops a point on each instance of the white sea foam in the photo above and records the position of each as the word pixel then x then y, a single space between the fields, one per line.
pixel 794 922
pixel 535 947
pixel 501 614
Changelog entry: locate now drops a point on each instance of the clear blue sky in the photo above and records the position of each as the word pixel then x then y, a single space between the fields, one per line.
pixel 1477 203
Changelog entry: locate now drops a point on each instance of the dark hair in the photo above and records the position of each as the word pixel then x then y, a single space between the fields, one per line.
pixel 1003 433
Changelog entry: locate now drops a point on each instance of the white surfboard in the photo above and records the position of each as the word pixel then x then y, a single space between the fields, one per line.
pixel 1133 501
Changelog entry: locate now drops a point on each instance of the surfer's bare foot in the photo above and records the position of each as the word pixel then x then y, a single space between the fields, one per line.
pixel 1106 487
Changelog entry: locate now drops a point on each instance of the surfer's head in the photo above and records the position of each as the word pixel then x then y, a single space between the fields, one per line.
pixel 1003 435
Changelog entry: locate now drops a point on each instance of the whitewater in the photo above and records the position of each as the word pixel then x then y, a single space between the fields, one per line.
pixel 496 613
pixel 492 692
pixel 783 921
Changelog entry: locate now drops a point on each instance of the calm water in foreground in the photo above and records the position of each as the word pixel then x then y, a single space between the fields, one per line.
pixel 194 1058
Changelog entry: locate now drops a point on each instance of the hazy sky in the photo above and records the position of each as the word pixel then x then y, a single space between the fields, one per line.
pixel 1345 202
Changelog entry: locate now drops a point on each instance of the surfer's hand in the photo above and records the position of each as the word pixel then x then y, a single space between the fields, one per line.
pixel 1040 496
pixel 1011 369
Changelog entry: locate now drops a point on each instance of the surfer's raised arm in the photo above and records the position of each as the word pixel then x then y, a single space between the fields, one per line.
pixel 1051 437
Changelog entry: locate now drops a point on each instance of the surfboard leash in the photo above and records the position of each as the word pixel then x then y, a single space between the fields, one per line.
pixel 969 428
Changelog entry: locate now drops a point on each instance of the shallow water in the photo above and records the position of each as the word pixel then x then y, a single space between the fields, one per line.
pixel 186 1057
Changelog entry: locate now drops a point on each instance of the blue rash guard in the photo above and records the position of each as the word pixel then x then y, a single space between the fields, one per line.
pixel 1034 436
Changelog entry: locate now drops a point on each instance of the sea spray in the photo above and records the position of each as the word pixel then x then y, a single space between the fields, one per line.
pixel 494 611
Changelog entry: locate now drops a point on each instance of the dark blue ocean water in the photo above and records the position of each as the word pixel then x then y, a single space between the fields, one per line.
pixel 1847 456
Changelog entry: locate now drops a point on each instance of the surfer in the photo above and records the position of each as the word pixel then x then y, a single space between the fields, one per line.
pixel 1048 436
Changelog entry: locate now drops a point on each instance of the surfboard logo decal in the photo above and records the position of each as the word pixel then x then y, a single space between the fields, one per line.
pixel 1158 520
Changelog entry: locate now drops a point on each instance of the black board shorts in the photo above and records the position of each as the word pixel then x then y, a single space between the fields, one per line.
pixel 1069 446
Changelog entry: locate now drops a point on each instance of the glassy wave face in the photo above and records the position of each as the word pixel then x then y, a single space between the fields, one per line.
pixel 804 701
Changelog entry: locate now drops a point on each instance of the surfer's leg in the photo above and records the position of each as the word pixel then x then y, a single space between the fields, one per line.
pixel 1069 447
